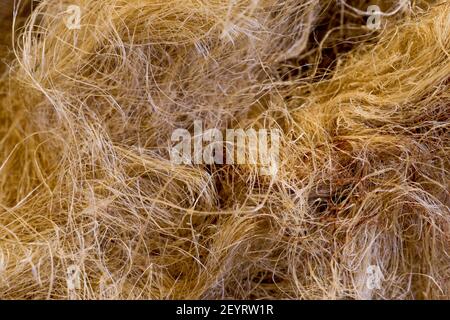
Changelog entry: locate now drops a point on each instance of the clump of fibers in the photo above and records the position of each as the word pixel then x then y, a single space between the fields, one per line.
pixel 86 118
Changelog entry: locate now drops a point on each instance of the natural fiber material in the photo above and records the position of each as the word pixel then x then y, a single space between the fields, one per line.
pixel 86 118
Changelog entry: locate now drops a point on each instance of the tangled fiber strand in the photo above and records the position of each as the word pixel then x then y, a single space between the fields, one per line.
pixel 86 118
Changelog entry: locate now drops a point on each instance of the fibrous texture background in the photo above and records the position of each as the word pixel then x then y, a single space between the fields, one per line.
pixel 86 117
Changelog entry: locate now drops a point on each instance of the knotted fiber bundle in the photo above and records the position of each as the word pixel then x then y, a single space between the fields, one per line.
pixel 86 179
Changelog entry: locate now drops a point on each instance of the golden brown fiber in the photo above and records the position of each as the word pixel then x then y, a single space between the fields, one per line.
pixel 86 117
